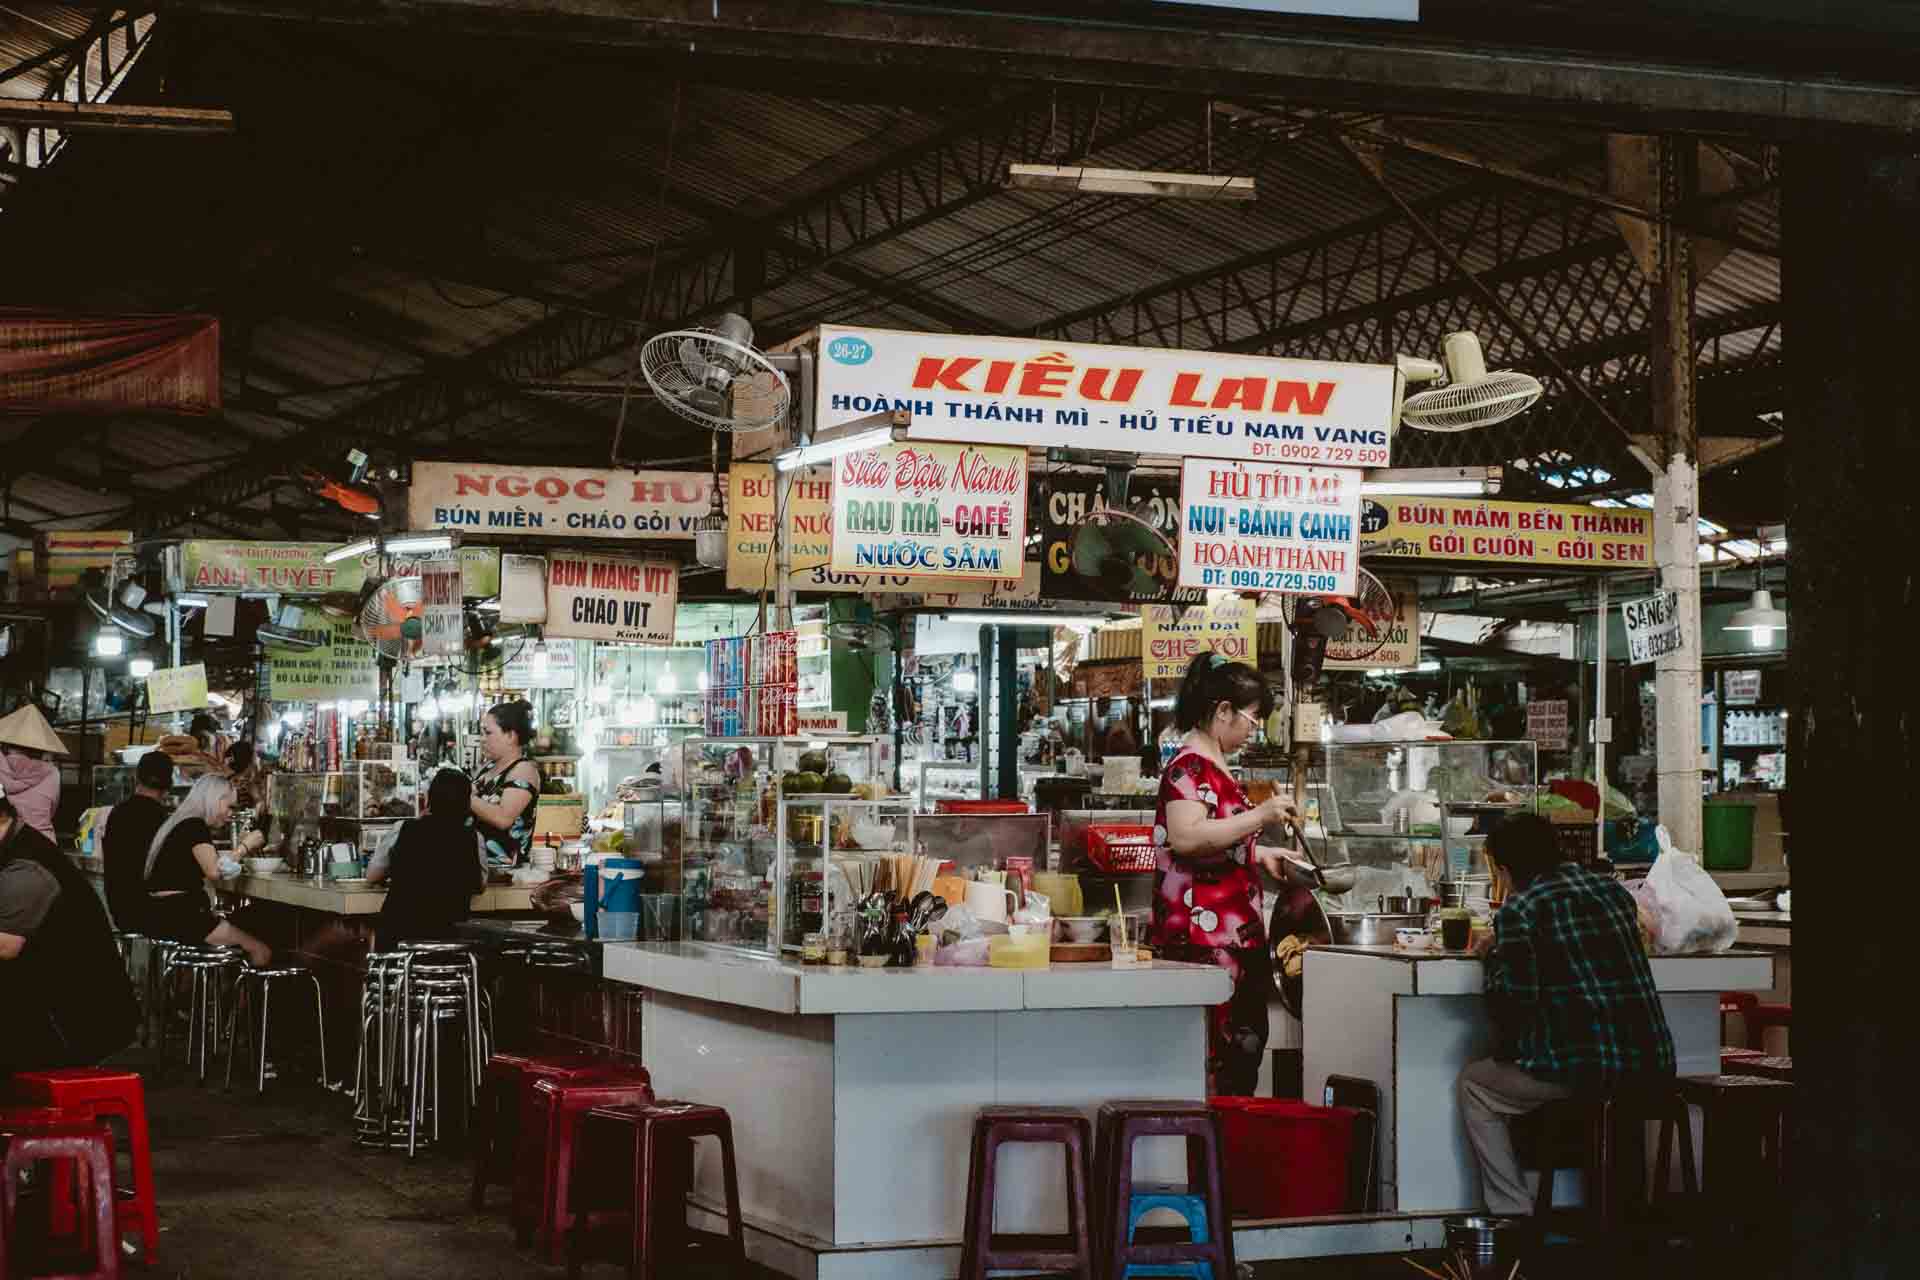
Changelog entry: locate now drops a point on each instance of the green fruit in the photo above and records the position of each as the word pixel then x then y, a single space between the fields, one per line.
pixel 808 783
pixel 790 782
pixel 838 784
pixel 815 762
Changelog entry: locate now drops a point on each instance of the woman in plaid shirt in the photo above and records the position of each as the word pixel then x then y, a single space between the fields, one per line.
pixel 1571 998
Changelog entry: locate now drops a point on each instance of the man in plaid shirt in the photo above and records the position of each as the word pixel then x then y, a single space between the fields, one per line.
pixel 1570 995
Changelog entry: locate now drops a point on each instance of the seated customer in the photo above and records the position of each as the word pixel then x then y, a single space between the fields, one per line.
pixel 64 998
pixel 130 829
pixel 433 867
pixel 1570 995
pixel 182 862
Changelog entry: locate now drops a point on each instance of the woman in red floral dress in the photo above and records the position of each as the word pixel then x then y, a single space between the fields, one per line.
pixel 1207 904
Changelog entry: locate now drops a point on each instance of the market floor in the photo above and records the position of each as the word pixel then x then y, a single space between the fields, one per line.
pixel 274 1187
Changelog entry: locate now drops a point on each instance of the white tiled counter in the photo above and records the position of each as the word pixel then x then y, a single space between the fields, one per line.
pixel 853 1091
pixel 1410 1022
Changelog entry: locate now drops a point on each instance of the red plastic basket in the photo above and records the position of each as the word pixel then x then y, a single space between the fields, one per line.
pixel 1118 846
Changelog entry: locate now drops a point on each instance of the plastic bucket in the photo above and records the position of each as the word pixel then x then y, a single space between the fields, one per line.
pixel 1727 830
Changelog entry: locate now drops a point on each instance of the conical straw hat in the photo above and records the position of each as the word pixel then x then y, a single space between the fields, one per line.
pixel 28 728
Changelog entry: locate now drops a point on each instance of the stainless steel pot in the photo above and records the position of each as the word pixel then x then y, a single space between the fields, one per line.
pixel 1369 929
pixel 1489 1246
pixel 1408 906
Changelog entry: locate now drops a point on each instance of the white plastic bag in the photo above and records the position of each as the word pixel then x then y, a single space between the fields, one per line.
pixel 1689 913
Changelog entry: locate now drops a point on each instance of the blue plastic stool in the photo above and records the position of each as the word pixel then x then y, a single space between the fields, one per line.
pixel 1148 1196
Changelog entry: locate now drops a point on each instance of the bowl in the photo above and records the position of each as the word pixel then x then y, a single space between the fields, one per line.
pixel 1490 1245
pixel 578 910
pixel 265 866
pixel 1080 928
pixel 873 962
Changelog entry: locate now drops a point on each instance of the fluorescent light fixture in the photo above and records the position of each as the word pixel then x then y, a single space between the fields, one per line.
pixel 293 719
pixel 419 544
pixel 1433 482
pixel 350 551
pixel 190 602
pixel 823 449
pixel 109 644
pixel 965 682
pixel 1131 182
pixel 1431 664
pixel 1012 619
pixel 357 707
pixel 140 668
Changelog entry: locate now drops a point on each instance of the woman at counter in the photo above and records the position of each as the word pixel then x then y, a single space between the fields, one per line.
pixel 433 867
pixel 182 861
pixel 505 793
pixel 1207 902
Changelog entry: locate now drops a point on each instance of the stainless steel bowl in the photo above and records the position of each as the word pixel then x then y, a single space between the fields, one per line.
pixel 1488 1245
pixel 1369 929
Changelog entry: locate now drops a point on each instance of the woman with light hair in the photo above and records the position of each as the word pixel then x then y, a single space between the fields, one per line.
pixel 182 861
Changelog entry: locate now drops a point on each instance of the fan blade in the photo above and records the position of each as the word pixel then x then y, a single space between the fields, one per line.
pixel 692 361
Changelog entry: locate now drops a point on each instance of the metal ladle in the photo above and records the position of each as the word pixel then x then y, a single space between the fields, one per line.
pixel 1334 880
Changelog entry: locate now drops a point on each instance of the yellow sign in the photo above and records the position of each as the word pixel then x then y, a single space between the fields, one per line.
pixel 177 689
pixel 1356 651
pixel 342 667
pixel 752 494
pixel 1225 627
pixel 1491 531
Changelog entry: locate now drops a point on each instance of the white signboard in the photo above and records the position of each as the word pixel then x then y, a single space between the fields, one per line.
pixel 1743 688
pixel 443 629
pixel 1356 651
pixel 560 502
pixel 525 670
pixel 596 597
pixel 995 593
pixel 1547 723
pixel 523 588
pixel 1653 627
pixel 1256 526
pixel 1036 391
pixel 930 511
pixel 822 722
pixel 177 689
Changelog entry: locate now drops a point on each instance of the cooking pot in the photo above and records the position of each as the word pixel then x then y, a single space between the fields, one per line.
pixel 1369 929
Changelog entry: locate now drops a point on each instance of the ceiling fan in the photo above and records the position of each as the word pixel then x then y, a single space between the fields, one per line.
pixel 716 377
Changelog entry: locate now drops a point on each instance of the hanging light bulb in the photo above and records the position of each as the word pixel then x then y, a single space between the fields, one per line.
pixel 109 644
pixel 704 681
pixel 430 709
pixel 649 710
pixel 627 712
pixel 603 694
pixel 542 663
pixel 669 683
pixel 140 668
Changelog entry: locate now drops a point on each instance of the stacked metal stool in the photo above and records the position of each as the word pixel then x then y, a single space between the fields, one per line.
pixel 415 1004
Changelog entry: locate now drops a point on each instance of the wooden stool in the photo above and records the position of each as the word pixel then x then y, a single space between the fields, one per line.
pixel 84 1095
pixel 547 1131
pixel 981 1250
pixel 1588 1130
pixel 507 1080
pixel 652 1147
pixel 1743 1141
pixel 90 1146
pixel 1121 1124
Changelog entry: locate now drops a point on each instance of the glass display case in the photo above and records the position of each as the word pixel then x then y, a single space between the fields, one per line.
pixel 325 809
pixel 734 861
pixel 386 790
pixel 654 826
pixel 1416 815
pixel 948 780
pixel 832 851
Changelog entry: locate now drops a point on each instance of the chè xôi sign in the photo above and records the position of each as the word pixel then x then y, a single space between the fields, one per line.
pixel 596 597
pixel 1171 638
pixel 918 510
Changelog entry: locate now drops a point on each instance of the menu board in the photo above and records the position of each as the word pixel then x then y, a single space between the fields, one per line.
pixel 596 597
pixel 930 510
pixel 342 667
pixel 1261 526
pixel 1169 643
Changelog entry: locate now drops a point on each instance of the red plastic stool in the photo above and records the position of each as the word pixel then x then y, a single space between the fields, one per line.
pixel 1763 1016
pixel 544 1166
pixel 90 1146
pixel 981 1250
pixel 1291 1159
pixel 87 1094
pixel 1121 1124
pixel 653 1146
pixel 507 1080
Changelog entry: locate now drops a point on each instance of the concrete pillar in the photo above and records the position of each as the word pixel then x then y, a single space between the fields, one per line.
pixel 1676 497
pixel 1852 295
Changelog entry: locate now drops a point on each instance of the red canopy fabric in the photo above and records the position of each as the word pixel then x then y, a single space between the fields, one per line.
pixel 69 363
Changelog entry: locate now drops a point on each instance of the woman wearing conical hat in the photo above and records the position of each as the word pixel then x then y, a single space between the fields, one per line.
pixel 29 778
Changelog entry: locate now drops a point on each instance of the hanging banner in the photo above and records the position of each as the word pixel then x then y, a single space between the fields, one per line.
pixel 1486 530
pixel 525 670
pixel 753 493
pixel 523 588
pixel 596 597
pixel 342 667
pixel 108 364
pixel 1083 559
pixel 71 552
pixel 1255 526
pixel 930 510
pixel 1169 644
pixel 1653 627
pixel 1071 395
pixel 177 689
pixel 443 629
pixel 302 569
pixel 1547 723
pixel 557 502
pixel 1356 652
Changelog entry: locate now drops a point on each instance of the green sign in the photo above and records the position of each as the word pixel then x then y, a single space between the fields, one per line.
pixel 342 667
pixel 301 568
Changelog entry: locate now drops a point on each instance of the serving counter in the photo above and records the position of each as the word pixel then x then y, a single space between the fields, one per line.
pixel 853 1091
pixel 1409 1022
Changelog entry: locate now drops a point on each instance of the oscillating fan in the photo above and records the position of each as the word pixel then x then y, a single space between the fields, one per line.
pixel 492 644
pixel 1472 397
pixel 1121 552
pixel 390 617
pixel 862 637
pixel 1316 619
pixel 122 609
pixel 715 377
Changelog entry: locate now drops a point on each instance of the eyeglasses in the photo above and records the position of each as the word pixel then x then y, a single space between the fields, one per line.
pixel 1250 719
